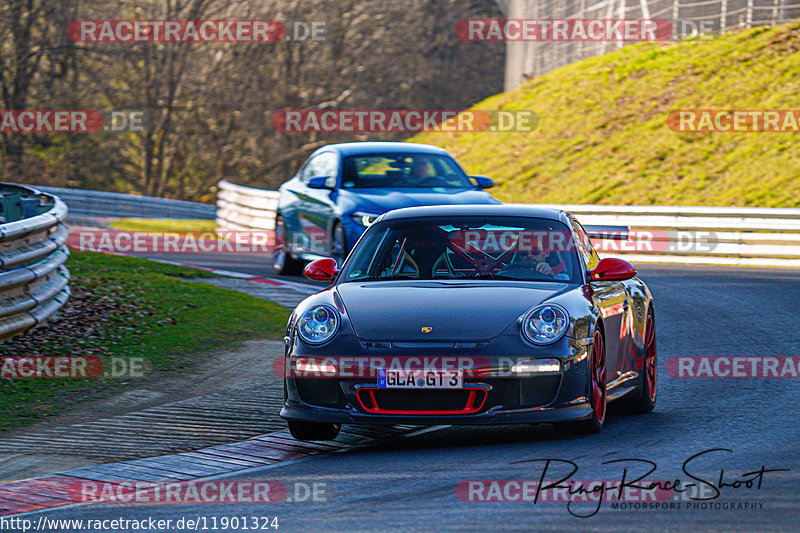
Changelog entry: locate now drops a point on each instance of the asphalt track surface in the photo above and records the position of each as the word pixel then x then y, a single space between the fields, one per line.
pixel 255 264
pixel 410 484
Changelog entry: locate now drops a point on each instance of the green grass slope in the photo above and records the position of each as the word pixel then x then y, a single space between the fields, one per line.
pixel 603 136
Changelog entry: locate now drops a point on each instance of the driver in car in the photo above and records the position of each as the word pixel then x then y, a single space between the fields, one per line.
pixel 419 170
pixel 544 261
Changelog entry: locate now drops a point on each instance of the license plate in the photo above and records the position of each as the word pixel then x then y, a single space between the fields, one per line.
pixel 420 379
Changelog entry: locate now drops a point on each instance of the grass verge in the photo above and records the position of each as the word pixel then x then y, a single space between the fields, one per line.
pixel 603 136
pixel 164 224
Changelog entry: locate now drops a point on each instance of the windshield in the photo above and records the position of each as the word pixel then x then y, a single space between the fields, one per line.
pixel 514 248
pixel 403 170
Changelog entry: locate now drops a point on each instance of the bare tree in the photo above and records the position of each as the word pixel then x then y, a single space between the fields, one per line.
pixel 35 52
pixel 210 105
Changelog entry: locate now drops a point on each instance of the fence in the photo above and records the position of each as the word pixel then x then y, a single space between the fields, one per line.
pixel 532 58
pixel 34 281
pixel 741 236
pixel 111 204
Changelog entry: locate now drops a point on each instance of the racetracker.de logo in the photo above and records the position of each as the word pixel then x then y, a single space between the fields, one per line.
pixel 734 367
pixel 577 491
pixel 619 30
pixel 641 241
pixel 369 367
pixel 199 492
pixel 660 241
pixel 176 31
pixel 71 121
pixel 56 121
pixel 62 367
pixel 403 120
pixel 125 242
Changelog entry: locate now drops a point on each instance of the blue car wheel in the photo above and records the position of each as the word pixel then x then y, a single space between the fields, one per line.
pixel 338 244
pixel 282 260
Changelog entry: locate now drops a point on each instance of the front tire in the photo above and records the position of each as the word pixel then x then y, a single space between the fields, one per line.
pixel 282 260
pixel 313 430
pixel 597 391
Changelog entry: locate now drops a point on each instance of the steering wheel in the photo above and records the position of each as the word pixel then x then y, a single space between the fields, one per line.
pixel 524 268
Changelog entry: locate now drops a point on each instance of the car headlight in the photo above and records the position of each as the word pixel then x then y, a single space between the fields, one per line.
pixel 318 324
pixel 545 324
pixel 364 218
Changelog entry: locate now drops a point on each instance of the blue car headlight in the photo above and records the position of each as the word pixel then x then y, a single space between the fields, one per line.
pixel 545 324
pixel 318 324
pixel 364 218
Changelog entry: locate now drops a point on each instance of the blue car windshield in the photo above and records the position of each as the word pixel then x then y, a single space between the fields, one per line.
pixel 502 248
pixel 390 171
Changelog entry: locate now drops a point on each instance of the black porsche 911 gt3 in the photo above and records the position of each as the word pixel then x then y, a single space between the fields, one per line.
pixel 486 314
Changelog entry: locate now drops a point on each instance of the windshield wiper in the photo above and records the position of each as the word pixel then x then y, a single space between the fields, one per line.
pixel 382 278
pixel 514 278
pixel 497 276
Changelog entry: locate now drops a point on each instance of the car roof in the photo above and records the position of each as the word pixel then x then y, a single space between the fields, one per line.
pixel 358 148
pixel 508 210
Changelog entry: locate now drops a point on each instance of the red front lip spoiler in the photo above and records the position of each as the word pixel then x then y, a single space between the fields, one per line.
pixel 469 409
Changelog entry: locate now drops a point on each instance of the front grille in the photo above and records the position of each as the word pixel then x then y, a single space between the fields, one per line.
pixel 434 400
pixel 463 401
pixel 539 390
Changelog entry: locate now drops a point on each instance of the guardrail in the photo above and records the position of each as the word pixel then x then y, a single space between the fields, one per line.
pixel 111 204
pixel 34 281
pixel 737 236
pixel 245 208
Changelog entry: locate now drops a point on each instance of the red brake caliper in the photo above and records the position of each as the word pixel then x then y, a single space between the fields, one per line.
pixel 650 355
pixel 598 376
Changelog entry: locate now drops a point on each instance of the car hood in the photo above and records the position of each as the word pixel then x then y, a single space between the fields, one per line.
pixel 382 200
pixel 454 310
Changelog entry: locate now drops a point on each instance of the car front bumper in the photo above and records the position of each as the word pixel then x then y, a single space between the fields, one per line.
pixel 505 399
pixel 581 411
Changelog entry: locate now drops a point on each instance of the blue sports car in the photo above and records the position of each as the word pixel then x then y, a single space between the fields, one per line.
pixel 342 188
